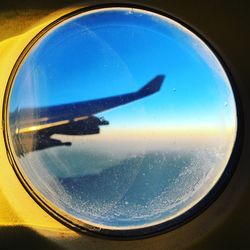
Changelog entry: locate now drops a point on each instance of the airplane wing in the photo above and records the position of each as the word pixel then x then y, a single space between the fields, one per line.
pixel 86 108
pixel 75 118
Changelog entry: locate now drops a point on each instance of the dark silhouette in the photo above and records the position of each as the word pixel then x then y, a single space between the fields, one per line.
pixel 32 128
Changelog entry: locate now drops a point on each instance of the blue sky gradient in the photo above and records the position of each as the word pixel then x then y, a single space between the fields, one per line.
pixel 114 52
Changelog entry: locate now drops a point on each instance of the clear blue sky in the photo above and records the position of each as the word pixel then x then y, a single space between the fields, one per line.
pixel 118 51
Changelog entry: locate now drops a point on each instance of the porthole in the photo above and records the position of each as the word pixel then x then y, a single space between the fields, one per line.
pixel 120 121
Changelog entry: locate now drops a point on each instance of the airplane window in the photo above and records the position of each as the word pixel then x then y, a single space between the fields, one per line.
pixel 121 119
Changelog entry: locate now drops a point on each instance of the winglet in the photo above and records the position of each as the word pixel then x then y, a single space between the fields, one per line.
pixel 152 87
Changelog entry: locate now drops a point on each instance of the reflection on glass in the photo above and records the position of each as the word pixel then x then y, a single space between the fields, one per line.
pixel 101 133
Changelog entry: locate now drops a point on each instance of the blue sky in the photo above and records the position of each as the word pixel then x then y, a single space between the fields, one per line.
pixel 112 52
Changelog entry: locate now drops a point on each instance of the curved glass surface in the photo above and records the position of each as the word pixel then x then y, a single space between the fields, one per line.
pixel 121 118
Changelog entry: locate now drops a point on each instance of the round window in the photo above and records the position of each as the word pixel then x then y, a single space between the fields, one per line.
pixel 122 120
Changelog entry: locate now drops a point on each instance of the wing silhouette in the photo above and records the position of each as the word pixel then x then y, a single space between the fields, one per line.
pixel 73 118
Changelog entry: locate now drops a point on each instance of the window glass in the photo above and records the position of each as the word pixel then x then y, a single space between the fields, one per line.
pixel 121 118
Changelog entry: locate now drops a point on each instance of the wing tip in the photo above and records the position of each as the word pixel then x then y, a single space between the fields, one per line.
pixel 159 80
pixel 153 86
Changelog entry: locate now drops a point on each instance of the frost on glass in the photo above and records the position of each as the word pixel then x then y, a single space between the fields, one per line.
pixel 99 143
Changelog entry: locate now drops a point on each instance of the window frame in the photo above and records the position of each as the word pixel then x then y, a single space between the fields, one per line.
pixel 149 231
